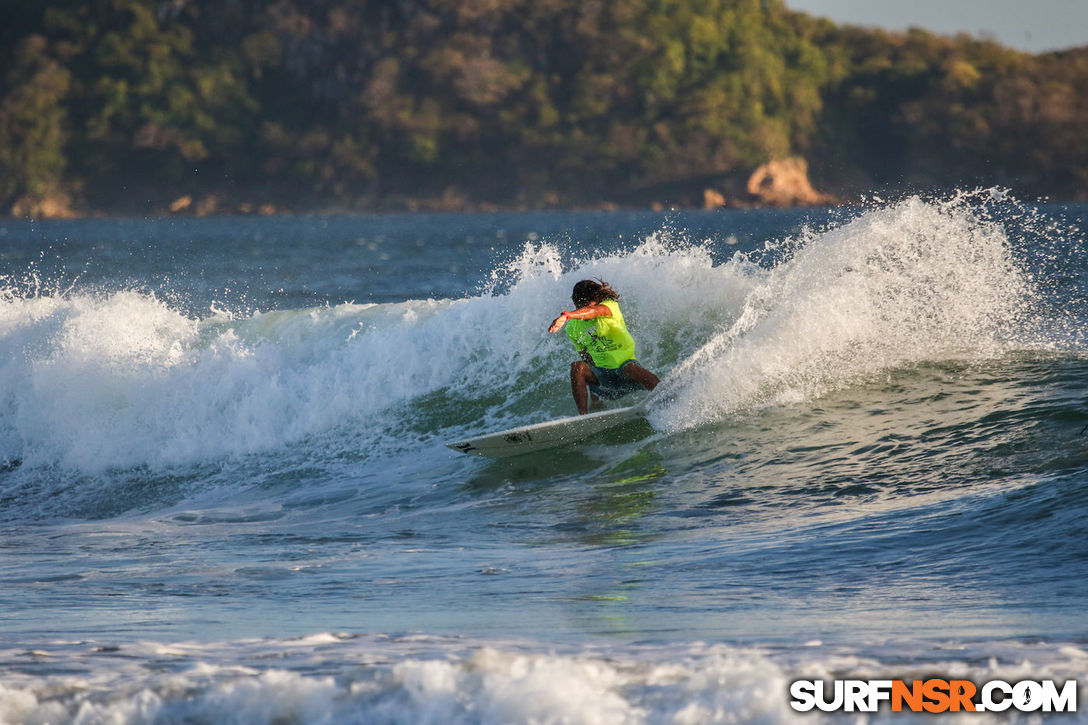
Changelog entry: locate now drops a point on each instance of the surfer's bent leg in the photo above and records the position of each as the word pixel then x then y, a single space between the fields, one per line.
pixel 581 376
pixel 640 375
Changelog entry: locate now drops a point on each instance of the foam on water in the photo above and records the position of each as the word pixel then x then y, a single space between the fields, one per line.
pixel 435 681
pixel 96 380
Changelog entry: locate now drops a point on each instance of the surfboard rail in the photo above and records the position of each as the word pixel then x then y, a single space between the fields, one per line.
pixel 549 434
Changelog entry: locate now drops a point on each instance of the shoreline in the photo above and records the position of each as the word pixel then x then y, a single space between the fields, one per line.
pixel 339 210
pixel 422 207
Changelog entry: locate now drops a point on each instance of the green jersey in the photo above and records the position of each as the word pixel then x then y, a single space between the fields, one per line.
pixel 605 338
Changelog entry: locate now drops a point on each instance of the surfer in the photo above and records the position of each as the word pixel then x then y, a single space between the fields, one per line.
pixel 608 367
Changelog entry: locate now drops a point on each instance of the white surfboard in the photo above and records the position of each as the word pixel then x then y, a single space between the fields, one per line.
pixel 542 436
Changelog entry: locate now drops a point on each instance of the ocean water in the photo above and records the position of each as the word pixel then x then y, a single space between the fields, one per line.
pixel 225 495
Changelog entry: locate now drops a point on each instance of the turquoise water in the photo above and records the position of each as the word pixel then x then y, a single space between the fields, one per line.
pixel 225 486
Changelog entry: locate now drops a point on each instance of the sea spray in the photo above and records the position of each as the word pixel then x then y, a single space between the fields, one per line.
pixel 672 291
pixel 916 281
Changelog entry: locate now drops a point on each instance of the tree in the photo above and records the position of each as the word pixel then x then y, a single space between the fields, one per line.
pixel 33 124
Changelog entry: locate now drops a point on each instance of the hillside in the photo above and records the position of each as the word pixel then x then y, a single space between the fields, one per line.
pixel 143 106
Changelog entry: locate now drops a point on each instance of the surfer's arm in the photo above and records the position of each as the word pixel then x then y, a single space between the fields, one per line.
pixel 582 313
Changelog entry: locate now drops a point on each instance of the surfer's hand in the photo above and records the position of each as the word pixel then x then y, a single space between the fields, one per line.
pixel 558 323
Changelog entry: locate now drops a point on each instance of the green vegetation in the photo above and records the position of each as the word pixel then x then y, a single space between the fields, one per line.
pixel 127 105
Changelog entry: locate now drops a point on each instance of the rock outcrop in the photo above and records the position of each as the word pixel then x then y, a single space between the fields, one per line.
pixel 784 182
pixel 713 199
pixel 53 205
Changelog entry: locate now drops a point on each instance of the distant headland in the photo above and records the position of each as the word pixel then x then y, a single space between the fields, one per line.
pixel 163 107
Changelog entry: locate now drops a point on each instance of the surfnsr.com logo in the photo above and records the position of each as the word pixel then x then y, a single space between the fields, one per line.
pixel 934 696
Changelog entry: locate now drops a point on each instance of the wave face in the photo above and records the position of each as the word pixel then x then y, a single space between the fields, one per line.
pixel 103 380
pixel 867 451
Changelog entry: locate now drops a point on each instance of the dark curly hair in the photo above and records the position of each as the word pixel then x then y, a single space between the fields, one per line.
pixel 589 291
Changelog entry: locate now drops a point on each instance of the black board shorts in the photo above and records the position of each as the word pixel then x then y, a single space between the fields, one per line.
pixel 613 382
